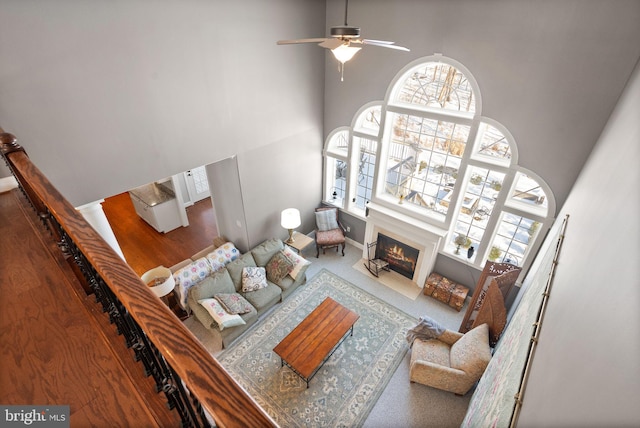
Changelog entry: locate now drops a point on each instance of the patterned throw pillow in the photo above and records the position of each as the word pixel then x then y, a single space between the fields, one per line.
pixel 220 316
pixel 298 261
pixel 222 255
pixel 253 278
pixel 189 276
pixel 278 267
pixel 233 303
pixel 326 219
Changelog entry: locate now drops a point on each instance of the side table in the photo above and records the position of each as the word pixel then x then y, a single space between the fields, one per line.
pixel 160 281
pixel 300 242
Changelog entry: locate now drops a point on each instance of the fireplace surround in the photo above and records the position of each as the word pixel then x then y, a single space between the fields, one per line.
pixel 417 234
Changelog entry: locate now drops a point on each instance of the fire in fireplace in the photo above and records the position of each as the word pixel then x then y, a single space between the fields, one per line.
pixel 402 258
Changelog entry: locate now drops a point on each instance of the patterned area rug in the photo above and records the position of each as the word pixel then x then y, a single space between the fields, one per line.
pixel 345 389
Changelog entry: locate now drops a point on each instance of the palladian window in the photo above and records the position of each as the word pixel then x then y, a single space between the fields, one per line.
pixel 428 153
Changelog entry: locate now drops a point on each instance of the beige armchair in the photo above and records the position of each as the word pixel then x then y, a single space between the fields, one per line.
pixel 453 362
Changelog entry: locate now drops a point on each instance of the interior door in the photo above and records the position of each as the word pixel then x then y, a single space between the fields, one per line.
pixel 197 184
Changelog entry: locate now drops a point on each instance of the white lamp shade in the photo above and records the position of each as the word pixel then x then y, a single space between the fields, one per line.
pixel 290 218
pixel 163 288
pixel 344 53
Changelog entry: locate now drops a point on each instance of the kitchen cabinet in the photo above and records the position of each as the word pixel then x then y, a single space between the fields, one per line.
pixel 157 205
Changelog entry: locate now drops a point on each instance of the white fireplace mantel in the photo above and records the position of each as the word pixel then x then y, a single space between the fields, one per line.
pixel 420 235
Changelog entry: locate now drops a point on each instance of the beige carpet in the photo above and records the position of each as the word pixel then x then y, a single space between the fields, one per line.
pixel 393 280
pixel 402 404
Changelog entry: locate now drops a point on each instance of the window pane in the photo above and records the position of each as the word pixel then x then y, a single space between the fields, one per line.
pixel 366 168
pixel 437 85
pixel 479 200
pixel 528 191
pixel 369 121
pixel 493 144
pixel 424 160
pixel 339 143
pixel 515 233
pixel 337 181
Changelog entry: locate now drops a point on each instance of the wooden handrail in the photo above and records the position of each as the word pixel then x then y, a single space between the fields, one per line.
pixel 205 378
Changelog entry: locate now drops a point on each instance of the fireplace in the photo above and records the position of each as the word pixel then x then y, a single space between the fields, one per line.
pixel 401 257
pixel 415 234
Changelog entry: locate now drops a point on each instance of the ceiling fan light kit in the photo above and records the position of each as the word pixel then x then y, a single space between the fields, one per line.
pixel 344 53
pixel 342 37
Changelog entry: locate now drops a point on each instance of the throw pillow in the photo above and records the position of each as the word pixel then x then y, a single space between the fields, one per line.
pixel 233 303
pixel 298 261
pixel 326 219
pixel 278 267
pixel 235 269
pixel 222 255
pixel 263 252
pixel 189 276
pixel 220 316
pixel 253 278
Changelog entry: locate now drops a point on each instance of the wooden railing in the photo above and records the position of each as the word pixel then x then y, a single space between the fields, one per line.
pixel 192 381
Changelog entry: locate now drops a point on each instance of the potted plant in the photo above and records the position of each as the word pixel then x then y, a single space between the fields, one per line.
pixel 494 254
pixel 461 241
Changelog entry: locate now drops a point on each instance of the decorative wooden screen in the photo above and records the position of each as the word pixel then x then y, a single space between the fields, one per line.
pixel 503 276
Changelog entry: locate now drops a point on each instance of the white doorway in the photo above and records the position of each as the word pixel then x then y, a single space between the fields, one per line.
pixel 197 184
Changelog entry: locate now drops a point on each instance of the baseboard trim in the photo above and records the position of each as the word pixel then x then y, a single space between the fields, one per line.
pixel 354 243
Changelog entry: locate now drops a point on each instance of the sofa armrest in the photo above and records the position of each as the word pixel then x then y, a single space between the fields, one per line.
pixel 441 377
pixel 301 277
pixel 435 369
pixel 450 337
pixel 201 314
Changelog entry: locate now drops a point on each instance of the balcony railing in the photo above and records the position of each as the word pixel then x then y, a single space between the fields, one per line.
pixel 191 381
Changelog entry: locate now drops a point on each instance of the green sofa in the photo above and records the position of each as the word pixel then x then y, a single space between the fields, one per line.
pixel 229 280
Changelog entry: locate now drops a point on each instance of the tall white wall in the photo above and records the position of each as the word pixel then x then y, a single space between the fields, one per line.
pixel 250 190
pixel 276 177
pixel 586 371
pixel 109 95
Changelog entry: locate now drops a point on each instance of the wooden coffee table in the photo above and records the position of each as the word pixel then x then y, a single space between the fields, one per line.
pixel 314 340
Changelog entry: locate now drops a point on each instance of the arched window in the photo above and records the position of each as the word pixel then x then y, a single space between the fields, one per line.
pixel 427 153
pixel 366 132
pixel 336 167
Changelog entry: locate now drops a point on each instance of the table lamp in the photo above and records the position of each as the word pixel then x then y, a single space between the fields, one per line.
pixel 160 281
pixel 290 219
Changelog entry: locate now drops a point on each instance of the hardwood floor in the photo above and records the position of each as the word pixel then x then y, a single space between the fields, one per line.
pixel 57 346
pixel 145 248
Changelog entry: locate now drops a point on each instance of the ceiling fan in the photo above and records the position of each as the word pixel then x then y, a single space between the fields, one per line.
pixel 344 42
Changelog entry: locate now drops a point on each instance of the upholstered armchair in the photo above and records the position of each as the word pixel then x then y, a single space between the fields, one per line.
pixel 329 231
pixel 453 361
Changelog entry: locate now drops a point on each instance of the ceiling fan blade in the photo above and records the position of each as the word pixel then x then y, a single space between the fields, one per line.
pixel 298 41
pixel 377 42
pixel 332 43
pixel 384 44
